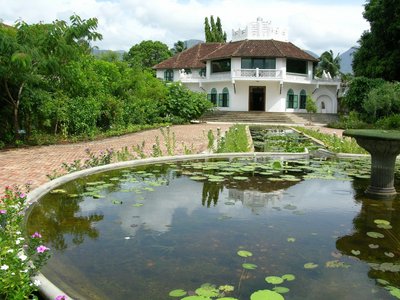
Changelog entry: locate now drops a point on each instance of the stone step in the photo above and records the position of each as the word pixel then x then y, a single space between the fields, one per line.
pixel 267 117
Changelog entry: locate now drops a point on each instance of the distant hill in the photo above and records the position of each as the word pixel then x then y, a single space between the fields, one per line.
pixel 313 54
pixel 346 61
pixel 191 43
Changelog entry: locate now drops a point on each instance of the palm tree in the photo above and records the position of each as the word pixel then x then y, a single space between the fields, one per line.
pixel 329 63
pixel 179 46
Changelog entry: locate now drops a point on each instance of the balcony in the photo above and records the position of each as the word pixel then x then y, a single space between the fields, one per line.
pixel 258 73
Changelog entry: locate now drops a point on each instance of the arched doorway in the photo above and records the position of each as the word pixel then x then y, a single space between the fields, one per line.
pixel 257 98
pixel 324 104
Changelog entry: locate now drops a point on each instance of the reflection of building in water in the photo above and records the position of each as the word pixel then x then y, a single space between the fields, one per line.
pixel 256 199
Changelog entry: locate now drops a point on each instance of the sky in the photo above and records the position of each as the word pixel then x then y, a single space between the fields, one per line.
pixel 316 25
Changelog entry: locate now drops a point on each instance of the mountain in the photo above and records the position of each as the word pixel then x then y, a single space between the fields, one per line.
pixel 346 61
pixel 313 54
pixel 191 43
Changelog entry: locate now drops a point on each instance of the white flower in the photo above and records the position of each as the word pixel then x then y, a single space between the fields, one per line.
pixel 10 250
pixel 22 256
pixel 18 232
pixel 17 242
pixel 4 267
pixel 37 282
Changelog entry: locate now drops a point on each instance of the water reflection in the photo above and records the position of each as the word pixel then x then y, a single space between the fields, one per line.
pixel 59 221
pixel 378 245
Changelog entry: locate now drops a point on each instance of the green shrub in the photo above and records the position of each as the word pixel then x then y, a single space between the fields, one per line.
pixel 183 104
pixel 382 101
pixel 390 122
pixel 235 140
pixel 350 121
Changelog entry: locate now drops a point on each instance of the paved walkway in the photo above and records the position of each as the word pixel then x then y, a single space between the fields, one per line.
pixel 32 164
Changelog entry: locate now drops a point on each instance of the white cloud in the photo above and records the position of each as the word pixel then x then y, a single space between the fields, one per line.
pixel 313 25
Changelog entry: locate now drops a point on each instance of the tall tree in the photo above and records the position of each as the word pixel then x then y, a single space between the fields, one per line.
pixel 379 53
pixel 33 54
pixel 213 31
pixel 147 54
pixel 329 63
pixel 179 46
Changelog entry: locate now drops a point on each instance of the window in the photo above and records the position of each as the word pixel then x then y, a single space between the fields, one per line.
pixel 169 75
pixel 296 66
pixel 202 72
pixel 322 105
pixel 212 97
pixel 303 99
pixel 223 100
pixel 188 71
pixel 260 63
pixel 291 100
pixel 222 65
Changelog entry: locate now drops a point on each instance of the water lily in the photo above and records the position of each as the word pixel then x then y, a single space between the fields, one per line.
pixel 36 235
pixel 42 249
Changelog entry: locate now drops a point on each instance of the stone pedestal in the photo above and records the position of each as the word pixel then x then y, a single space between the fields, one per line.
pixel 384 146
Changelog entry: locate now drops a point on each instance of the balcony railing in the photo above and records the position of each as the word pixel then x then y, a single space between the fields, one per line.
pixel 258 73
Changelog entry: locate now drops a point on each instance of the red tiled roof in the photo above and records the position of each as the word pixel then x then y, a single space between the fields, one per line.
pixel 196 56
pixel 259 48
pixel 190 58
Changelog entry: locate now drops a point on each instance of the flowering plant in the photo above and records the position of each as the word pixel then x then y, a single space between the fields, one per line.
pixel 21 256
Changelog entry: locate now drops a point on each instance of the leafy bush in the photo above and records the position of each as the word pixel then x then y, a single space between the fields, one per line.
pixel 390 122
pixel 235 140
pixel 382 101
pixel 358 91
pixel 20 256
pixel 183 104
pixel 350 121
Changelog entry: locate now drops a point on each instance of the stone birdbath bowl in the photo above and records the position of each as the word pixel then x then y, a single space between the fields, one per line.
pixel 384 146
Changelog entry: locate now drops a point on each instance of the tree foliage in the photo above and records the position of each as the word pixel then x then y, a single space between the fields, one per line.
pixel 379 53
pixel 179 46
pixel 358 90
pixel 213 30
pixel 147 54
pixel 329 63
pixel 52 84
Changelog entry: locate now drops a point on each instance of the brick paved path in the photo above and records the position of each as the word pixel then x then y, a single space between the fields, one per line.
pixel 19 166
pixel 32 164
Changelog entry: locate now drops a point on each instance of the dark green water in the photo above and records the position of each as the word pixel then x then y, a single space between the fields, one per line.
pixel 140 233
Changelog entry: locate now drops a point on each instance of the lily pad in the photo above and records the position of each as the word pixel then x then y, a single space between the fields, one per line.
pixel 248 266
pixel 274 279
pixel 240 178
pixel 310 265
pixel 58 191
pixel 281 289
pixel 288 277
pixel 380 221
pixel 244 253
pixel 291 239
pixel 177 293
pixel 375 235
pixel 116 202
pixel 266 294
pixel 373 246
pixel 389 254
pixel 226 288
pixel 355 252
pixel 137 204
pixel 207 290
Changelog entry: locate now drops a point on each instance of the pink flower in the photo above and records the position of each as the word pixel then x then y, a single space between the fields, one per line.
pixel 3 211
pixel 22 195
pixel 61 297
pixel 36 235
pixel 42 249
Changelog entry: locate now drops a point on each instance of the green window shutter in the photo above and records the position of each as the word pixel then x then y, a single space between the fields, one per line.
pixel 295 101
pixel 220 100
pixel 209 97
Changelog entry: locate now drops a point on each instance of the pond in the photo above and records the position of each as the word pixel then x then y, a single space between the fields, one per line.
pixel 280 139
pixel 223 228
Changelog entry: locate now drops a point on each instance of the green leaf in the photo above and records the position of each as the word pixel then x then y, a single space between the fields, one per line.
pixel 274 279
pixel 244 253
pixel 177 293
pixel 288 277
pixel 266 295
pixel 375 235
pixel 249 266
pixel 281 289
pixel 227 288
pixel 207 290
pixel 310 265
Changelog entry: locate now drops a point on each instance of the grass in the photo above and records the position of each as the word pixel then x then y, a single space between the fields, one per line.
pixel 334 143
pixel 235 140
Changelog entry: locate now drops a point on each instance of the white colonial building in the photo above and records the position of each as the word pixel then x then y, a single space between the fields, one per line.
pixel 259 70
